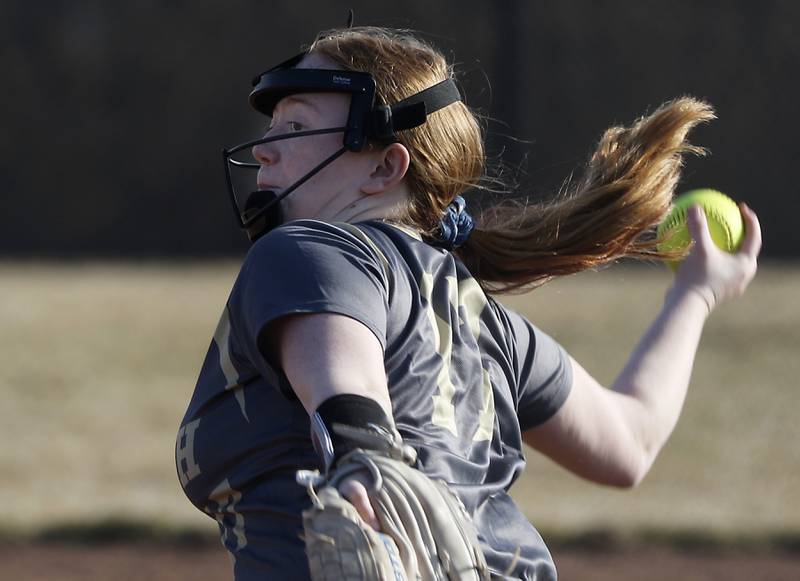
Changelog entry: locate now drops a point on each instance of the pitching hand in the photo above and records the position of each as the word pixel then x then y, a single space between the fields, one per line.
pixel 713 273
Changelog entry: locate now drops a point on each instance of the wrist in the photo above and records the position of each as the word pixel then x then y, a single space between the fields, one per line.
pixel 703 299
pixel 348 410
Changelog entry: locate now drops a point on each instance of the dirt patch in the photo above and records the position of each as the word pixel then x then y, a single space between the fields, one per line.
pixel 134 562
pixel 669 565
pixel 145 561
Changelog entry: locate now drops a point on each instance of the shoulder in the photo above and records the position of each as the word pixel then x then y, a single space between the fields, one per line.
pixel 520 330
pixel 303 233
pixel 313 254
pixel 509 320
pixel 306 242
pixel 310 266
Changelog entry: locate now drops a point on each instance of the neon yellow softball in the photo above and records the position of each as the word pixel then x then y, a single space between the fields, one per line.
pixel 722 213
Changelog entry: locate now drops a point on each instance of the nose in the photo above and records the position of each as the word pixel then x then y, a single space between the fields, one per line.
pixel 265 153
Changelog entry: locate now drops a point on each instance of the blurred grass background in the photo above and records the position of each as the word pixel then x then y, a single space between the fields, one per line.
pixel 99 361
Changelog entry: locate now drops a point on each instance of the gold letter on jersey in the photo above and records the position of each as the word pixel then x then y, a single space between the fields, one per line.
pixel 226 499
pixel 443 410
pixel 184 453
pixel 467 295
pixel 222 338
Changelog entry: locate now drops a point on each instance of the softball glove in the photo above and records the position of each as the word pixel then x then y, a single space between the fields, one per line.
pixel 426 534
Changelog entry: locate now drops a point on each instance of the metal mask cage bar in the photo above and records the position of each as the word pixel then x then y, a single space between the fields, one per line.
pixel 229 160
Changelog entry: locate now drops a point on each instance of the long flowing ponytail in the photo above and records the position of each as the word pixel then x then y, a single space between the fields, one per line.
pixel 610 213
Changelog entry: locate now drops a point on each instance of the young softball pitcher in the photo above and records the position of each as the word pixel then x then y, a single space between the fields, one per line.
pixel 365 301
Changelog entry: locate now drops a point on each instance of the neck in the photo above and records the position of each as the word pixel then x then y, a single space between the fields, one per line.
pixel 386 205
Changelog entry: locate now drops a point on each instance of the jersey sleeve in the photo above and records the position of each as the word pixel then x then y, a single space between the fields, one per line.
pixel 544 372
pixel 308 267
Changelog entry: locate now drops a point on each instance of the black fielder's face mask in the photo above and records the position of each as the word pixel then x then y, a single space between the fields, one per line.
pixel 258 211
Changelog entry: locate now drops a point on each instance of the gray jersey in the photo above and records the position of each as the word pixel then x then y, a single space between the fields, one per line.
pixel 466 377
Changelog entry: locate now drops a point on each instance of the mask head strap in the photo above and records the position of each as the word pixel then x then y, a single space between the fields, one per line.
pixel 365 120
pixel 412 111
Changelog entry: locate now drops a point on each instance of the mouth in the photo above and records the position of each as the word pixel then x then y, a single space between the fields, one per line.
pixel 263 184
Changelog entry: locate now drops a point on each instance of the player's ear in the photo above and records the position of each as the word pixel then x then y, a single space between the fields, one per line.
pixel 390 165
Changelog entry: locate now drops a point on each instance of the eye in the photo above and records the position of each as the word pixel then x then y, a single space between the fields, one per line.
pixel 294 126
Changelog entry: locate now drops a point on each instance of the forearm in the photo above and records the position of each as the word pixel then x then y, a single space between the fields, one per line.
pixel 657 374
pixel 613 436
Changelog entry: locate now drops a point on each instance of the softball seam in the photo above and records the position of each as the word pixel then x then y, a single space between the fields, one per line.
pixel 679 216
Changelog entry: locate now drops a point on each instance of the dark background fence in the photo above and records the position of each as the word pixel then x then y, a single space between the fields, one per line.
pixel 114 113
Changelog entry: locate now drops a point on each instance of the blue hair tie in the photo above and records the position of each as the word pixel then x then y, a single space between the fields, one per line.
pixel 456 225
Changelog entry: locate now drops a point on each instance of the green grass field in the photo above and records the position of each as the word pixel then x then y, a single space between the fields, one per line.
pixel 99 361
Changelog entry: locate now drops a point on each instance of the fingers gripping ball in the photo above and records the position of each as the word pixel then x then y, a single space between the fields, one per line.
pixel 722 214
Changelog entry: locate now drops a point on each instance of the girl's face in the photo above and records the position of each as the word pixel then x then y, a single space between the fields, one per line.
pixel 283 162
